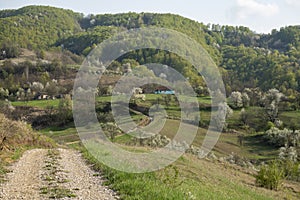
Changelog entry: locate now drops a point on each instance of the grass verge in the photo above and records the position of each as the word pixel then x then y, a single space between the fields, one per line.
pixel 187 178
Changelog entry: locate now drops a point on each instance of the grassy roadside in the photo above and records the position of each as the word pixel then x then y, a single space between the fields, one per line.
pixel 187 178
pixel 15 138
pixel 3 171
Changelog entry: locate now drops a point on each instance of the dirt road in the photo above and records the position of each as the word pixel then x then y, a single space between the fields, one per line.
pixel 53 174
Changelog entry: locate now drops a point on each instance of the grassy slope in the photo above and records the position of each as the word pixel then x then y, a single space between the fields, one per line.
pixel 202 178
pixel 197 179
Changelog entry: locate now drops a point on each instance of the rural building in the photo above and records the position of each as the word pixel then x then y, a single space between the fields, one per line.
pixel 163 90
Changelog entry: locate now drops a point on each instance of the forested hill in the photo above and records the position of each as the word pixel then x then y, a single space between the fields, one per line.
pixel 248 59
pixel 37 26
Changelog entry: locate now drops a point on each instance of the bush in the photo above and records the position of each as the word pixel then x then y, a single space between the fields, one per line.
pixel 255 118
pixel 283 137
pixel 270 176
pixel 291 170
pixel 64 109
pixel 288 154
pixel 236 100
pixel 15 134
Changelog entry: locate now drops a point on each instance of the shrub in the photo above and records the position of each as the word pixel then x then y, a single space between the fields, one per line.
pixel 289 161
pixel 236 100
pixel 4 93
pixel 255 118
pixel 15 134
pixel 219 120
pixel 291 170
pixel 65 114
pixel 288 154
pixel 283 137
pixel 270 176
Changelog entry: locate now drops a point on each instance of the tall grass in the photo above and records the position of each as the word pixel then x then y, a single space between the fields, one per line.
pixel 270 176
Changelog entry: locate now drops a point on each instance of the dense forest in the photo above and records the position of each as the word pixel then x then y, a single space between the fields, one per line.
pixel 246 59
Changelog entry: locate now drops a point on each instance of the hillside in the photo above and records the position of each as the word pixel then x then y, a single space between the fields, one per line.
pixel 41 51
pixel 37 27
pixel 247 59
